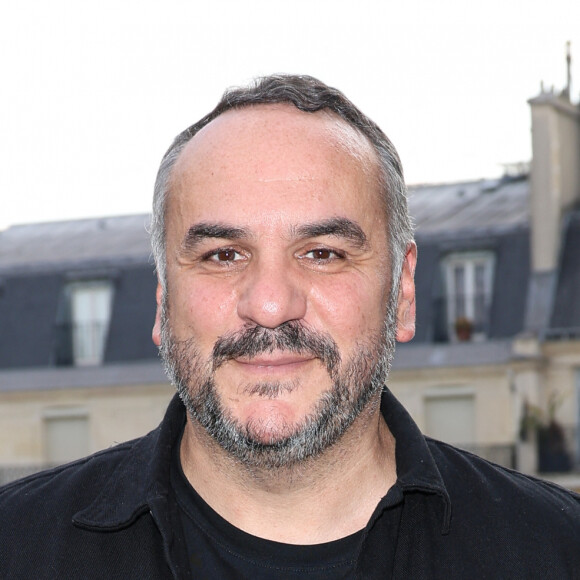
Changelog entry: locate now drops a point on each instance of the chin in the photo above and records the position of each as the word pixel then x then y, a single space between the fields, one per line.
pixel 270 422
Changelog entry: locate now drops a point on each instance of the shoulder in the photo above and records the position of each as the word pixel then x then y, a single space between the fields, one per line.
pixel 66 518
pixel 65 488
pixel 482 490
pixel 499 523
pixel 113 476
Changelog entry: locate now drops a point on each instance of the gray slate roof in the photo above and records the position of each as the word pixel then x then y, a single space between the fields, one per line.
pixel 566 313
pixel 483 214
pixel 452 208
pixel 37 261
pixel 484 205
pixel 78 243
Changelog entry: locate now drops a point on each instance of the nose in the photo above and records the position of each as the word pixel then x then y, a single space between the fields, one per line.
pixel 271 294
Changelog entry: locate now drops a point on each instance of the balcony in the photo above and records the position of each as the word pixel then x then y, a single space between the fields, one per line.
pixel 558 449
pixel 10 473
pixel 504 455
pixel 446 330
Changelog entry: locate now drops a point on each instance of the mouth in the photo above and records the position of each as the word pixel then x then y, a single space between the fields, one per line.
pixel 274 363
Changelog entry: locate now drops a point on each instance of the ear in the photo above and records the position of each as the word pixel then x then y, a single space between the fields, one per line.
pixel 156 334
pixel 406 301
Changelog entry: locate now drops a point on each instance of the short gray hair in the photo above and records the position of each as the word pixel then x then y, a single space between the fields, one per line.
pixel 309 95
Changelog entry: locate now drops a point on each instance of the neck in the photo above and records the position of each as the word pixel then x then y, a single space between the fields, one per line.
pixel 319 500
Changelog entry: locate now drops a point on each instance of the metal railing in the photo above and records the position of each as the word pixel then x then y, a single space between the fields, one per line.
pixel 80 343
pixel 504 455
pixel 10 473
pixel 558 460
pixel 501 454
pixel 559 450
pixel 443 327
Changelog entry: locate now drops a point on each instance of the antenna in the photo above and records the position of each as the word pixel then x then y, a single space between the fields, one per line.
pixel 568 70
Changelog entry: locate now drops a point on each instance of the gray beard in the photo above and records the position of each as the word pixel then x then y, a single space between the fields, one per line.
pixel 355 384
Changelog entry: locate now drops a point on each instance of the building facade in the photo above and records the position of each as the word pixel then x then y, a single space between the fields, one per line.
pixel 78 369
pixel 494 366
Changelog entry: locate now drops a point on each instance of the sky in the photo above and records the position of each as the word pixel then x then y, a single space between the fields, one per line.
pixel 94 91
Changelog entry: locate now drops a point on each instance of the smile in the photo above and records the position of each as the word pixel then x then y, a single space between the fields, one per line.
pixel 280 363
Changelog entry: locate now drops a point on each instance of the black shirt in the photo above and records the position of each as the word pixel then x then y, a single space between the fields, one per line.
pixel 115 515
pixel 217 549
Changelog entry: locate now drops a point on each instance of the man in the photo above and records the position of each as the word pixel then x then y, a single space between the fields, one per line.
pixel 285 261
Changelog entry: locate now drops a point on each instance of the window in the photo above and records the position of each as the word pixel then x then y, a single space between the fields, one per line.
pixel 451 418
pixel 469 282
pixel 91 312
pixel 66 435
pixel 83 323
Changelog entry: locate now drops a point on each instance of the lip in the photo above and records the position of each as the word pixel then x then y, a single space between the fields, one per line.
pixel 274 362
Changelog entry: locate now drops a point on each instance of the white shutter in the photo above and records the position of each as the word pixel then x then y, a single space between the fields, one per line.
pixel 66 438
pixel 451 418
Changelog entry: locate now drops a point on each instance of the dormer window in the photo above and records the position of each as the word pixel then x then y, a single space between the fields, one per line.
pixel 468 281
pixel 84 322
pixel 91 313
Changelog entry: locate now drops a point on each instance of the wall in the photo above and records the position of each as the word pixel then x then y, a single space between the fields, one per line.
pixel 115 414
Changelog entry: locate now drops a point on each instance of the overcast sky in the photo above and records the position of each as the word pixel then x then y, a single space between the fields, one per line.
pixel 94 91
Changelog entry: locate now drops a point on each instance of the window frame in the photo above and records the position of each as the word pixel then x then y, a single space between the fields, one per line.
pixel 469 260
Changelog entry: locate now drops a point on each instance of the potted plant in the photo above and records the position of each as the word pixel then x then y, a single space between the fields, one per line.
pixel 553 456
pixel 463 328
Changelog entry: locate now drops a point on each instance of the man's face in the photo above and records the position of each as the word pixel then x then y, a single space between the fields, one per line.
pixel 273 321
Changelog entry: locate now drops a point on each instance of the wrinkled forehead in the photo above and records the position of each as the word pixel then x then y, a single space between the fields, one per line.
pixel 274 141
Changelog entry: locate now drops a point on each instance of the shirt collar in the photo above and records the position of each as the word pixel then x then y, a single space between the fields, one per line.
pixel 140 480
pixel 416 467
pixel 142 477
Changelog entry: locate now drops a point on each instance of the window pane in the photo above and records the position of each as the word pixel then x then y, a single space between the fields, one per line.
pixel 469 277
pixel 91 308
pixel 480 298
pixel 480 278
pixel 459 290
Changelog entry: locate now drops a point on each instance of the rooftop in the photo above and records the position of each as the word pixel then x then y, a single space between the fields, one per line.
pixel 484 205
pixel 76 243
pixel 450 208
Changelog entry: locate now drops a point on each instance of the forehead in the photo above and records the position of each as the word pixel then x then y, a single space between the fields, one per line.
pixel 276 151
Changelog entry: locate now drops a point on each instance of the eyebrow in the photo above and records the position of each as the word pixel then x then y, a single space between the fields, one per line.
pixel 199 232
pixel 338 227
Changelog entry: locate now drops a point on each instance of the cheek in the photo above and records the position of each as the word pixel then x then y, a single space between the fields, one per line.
pixel 204 310
pixel 353 307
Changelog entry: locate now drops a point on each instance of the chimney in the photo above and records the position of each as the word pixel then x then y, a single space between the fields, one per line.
pixel 555 178
pixel 554 188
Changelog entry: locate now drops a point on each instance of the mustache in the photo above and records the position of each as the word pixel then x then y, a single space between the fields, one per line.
pixel 292 336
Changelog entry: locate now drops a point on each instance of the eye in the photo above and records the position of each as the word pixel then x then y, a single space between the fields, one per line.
pixel 226 256
pixel 323 255
pixel 320 254
pixel 223 255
